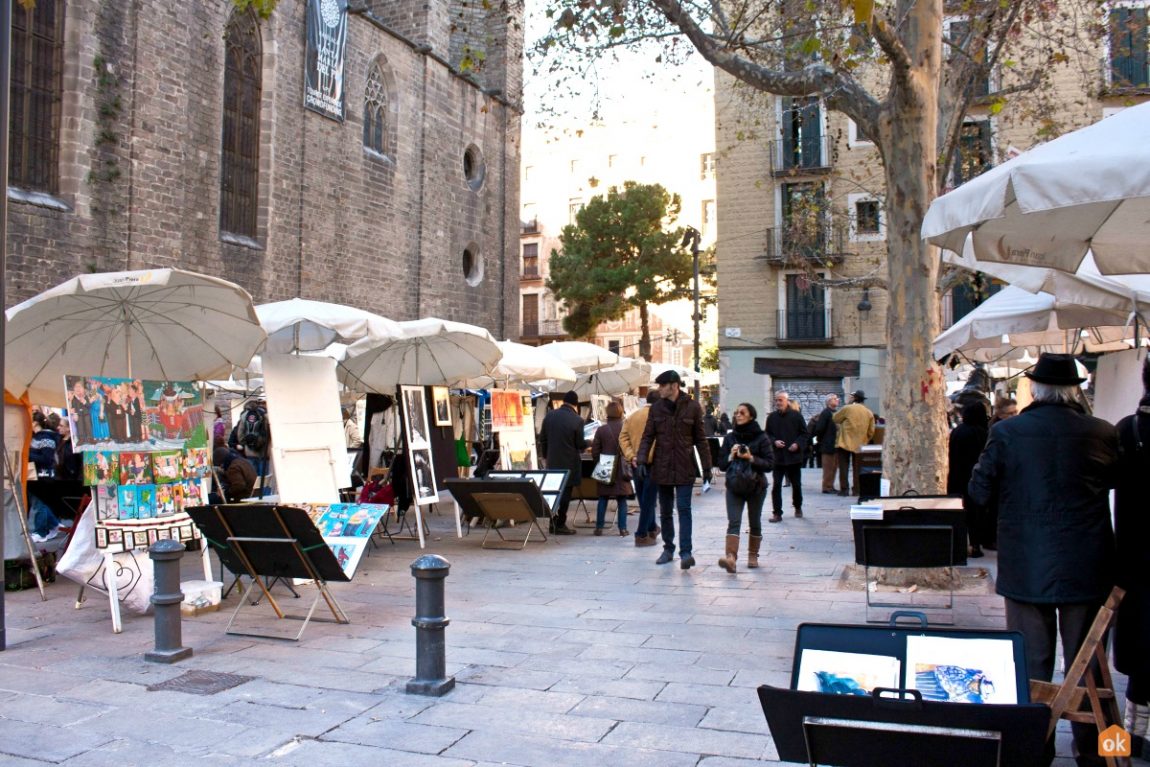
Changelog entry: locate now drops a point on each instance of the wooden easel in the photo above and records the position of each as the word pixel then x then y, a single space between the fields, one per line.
pixel 1066 699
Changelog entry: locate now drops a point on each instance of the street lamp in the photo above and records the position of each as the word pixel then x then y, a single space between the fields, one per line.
pixel 691 237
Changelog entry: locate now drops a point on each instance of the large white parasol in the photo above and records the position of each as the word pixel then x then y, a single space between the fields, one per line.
pixel 1089 189
pixel 523 365
pixel 620 378
pixel 583 357
pixel 430 352
pixel 301 325
pixel 1017 319
pixel 158 323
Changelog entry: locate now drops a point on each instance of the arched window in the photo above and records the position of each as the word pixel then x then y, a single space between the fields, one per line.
pixel 240 151
pixel 36 88
pixel 375 111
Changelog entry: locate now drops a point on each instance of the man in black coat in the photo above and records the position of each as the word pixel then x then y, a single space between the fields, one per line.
pixel 1050 470
pixel 787 433
pixel 561 443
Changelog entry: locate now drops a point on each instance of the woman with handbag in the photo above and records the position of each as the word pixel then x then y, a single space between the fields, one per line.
pixel 614 482
pixel 746 457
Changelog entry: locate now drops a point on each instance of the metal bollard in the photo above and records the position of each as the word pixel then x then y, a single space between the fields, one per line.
pixel 431 678
pixel 167 597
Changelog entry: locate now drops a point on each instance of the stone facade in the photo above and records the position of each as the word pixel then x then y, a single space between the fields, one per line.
pixel 140 161
pixel 756 356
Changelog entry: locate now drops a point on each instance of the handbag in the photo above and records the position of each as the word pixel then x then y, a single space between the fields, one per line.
pixel 743 479
pixel 604 471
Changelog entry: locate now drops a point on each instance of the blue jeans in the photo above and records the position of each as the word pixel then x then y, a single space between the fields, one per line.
pixel 645 492
pixel 671 496
pixel 601 511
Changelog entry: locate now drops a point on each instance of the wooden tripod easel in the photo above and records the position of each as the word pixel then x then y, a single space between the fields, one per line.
pixel 1066 699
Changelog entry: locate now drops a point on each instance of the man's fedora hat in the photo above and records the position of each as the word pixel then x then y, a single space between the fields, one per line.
pixel 859 396
pixel 1055 370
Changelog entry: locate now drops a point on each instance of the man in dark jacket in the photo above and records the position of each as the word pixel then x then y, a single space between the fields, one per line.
pixel 826 432
pixel 1050 470
pixel 675 429
pixel 236 474
pixel 561 444
pixel 787 433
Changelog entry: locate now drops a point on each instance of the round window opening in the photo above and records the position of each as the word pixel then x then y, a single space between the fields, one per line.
pixel 474 169
pixel 472 265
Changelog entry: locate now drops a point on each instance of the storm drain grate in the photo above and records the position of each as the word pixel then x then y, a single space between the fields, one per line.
pixel 201 682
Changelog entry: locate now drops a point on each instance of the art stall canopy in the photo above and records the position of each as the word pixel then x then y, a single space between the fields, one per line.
pixel 1086 190
pixel 620 378
pixel 583 357
pixel 523 365
pixel 300 325
pixel 431 352
pixel 161 324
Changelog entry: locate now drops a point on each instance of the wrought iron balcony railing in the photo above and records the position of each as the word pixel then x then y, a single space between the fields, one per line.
pixel 804 326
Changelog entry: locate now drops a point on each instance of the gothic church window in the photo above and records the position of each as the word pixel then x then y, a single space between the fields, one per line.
pixel 36 90
pixel 240 151
pixel 375 112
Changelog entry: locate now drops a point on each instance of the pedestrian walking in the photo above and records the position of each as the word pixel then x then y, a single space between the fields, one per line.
pixel 855 424
pixel 787 432
pixel 747 456
pixel 606 442
pixel 675 430
pixel 826 432
pixel 561 443
pixel 646 531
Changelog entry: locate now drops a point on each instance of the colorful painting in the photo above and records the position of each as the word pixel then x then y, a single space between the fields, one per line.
pixel 101 467
pixel 197 463
pixel 168 466
pixel 107 504
pixel 134 414
pixel 146 502
pixel 962 670
pixel 846 673
pixel 506 410
pixel 136 469
pixel 165 499
pixel 127 498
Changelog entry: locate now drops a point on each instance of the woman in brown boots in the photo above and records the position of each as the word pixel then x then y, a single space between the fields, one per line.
pixel 746 458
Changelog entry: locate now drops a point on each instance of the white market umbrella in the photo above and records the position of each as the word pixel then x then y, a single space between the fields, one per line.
pixel 620 378
pixel 430 352
pixel 582 356
pixel 301 325
pixel 1089 189
pixel 165 324
pixel 1016 319
pixel 524 365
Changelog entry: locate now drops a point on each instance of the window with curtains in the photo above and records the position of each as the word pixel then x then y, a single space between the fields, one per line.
pixel 240 150
pixel 36 90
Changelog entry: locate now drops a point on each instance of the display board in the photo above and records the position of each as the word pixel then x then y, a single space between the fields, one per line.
pixel 346 529
pixel 549 481
pixel 1118 384
pixel 308 446
pixel 417 429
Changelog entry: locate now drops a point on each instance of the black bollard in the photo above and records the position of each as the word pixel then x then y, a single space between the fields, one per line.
pixel 166 597
pixel 431 678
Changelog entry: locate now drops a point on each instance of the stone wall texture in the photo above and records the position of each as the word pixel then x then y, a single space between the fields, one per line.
pixel 140 161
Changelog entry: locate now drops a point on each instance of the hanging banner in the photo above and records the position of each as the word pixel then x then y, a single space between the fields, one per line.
pixel 326 46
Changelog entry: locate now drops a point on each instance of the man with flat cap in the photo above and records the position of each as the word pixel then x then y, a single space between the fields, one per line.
pixel 561 443
pixel 675 430
pixel 1049 470
pixel 855 424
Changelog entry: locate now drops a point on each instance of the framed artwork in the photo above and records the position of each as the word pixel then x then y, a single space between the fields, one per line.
pixel 134 414
pixel 414 416
pixel 441 404
pixel 423 476
pixel 101 538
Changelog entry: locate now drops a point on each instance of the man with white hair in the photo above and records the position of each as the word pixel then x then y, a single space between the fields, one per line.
pixel 1049 470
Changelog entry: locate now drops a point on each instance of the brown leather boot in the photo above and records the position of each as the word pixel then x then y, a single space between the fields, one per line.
pixel 753 550
pixel 730 560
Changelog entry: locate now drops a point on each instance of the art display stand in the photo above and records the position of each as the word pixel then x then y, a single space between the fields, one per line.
pixel 18 496
pixel 272 541
pixel 915 531
pixel 896 727
pixel 1080 686
pixel 501 501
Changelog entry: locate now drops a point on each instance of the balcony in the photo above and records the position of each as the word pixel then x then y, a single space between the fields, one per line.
pixel 804 327
pixel 530 273
pixel 529 227
pixel 543 330
pixel 806 155
pixel 826 246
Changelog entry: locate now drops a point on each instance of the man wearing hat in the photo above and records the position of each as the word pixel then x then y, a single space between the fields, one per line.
pixel 675 430
pixel 561 444
pixel 855 424
pixel 1049 470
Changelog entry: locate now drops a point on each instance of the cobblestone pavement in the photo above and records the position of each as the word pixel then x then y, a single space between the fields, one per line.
pixel 577 651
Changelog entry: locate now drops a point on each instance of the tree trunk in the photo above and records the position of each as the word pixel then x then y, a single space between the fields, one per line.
pixel 645 337
pixel 914 446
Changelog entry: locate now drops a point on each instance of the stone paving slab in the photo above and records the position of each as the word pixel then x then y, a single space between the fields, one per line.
pixel 579 651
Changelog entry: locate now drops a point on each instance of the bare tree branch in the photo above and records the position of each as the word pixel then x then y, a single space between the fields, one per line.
pixel 888 41
pixel 949 276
